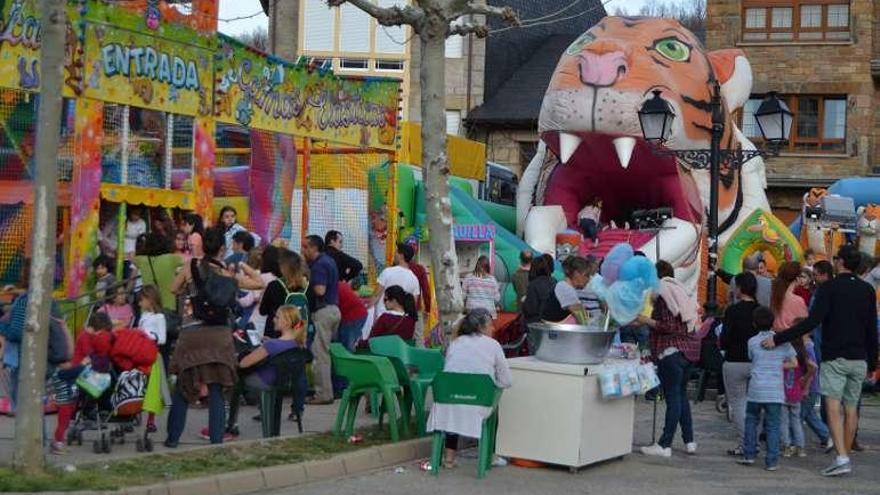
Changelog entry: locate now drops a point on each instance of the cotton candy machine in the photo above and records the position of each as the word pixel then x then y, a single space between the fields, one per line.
pixel 571 344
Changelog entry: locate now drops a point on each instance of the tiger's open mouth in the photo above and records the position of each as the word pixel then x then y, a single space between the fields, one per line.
pixel 592 167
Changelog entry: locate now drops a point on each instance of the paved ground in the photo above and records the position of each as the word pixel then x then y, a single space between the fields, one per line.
pixel 710 472
pixel 316 419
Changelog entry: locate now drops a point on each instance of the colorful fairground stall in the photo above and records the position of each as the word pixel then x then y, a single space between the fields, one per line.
pixel 163 115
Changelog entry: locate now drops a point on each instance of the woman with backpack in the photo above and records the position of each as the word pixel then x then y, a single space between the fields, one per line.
pixel 205 355
pixel 292 281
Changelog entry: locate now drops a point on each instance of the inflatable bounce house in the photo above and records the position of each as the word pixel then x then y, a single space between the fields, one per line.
pixel 856 220
pixel 592 150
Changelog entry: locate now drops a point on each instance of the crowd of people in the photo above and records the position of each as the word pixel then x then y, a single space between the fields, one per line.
pixel 281 299
pixel 804 337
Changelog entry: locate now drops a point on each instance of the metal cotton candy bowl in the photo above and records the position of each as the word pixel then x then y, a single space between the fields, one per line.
pixel 570 344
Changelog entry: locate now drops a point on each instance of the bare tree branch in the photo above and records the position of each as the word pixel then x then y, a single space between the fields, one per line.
pixel 470 7
pixel 477 29
pixel 386 16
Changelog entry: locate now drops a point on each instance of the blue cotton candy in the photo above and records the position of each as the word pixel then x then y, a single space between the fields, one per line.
pixel 614 260
pixel 639 268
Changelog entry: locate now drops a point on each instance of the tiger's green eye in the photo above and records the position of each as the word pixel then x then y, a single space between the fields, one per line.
pixel 579 43
pixel 673 49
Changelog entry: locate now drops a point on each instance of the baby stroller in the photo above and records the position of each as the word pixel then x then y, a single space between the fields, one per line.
pixel 111 412
pixel 118 397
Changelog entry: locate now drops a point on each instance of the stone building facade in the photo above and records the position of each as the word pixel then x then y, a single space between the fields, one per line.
pixel 819 55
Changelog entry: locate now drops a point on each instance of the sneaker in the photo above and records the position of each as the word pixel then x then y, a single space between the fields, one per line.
pixel 788 451
pixel 151 428
pixel 657 451
pixel 228 435
pixel 801 452
pixel 745 461
pixel 499 461
pixel 837 468
pixel 58 448
pixel 691 448
pixel 736 451
pixel 828 446
pixel 856 447
pixel 774 467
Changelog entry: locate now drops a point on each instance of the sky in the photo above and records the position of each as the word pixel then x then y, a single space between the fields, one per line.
pixel 230 9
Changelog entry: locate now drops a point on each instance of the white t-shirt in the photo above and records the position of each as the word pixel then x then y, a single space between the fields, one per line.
pixel 133 229
pixel 566 294
pixel 153 324
pixel 397 275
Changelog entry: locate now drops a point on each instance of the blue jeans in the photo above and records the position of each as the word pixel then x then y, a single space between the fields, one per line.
pixel 808 415
pixel 674 371
pixel 635 334
pixel 216 413
pixel 348 335
pixel 772 416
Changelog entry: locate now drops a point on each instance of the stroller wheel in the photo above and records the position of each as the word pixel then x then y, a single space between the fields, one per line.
pixel 105 445
pixel 71 437
pixel 122 440
pixel 96 446
pixel 139 445
pixel 148 445
pixel 79 438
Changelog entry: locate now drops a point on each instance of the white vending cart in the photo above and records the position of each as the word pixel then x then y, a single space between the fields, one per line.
pixel 554 413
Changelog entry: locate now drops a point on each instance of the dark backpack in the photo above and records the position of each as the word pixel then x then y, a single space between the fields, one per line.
pixel 215 293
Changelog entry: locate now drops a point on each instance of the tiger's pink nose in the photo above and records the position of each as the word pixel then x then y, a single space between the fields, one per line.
pixel 602 69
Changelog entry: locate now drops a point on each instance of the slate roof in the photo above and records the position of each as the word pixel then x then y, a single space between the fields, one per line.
pixel 520 61
pixel 518 100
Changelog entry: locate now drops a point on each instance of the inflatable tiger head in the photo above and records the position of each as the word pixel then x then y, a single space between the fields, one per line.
pixel 592 144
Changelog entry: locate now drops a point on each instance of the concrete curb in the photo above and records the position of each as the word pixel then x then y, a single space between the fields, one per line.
pixel 283 475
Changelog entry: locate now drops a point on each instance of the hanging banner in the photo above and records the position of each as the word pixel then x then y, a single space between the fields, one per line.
pixel 144 71
pixel 20 42
pixel 262 92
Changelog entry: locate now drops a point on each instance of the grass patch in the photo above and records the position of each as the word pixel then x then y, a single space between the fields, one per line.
pixel 156 468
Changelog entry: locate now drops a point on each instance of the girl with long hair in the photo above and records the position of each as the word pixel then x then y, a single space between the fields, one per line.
pixel 481 289
pixel 785 304
pixel 400 315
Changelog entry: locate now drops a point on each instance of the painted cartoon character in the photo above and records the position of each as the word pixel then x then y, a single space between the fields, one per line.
pixel 813 235
pixel 592 145
pixel 869 229
pixel 154 15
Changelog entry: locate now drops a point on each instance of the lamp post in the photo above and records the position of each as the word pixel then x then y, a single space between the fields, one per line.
pixel 774 121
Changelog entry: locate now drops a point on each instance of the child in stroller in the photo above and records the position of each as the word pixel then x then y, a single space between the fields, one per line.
pixel 118 400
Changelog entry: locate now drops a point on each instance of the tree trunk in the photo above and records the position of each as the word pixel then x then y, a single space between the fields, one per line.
pixel 28 454
pixel 436 172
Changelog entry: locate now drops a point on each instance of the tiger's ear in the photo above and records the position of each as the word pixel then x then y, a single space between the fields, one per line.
pixel 735 75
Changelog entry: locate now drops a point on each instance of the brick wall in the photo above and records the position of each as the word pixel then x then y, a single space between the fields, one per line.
pixel 503 146
pixel 813 68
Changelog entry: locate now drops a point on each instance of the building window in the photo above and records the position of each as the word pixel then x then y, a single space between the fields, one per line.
pixel 318 24
pixel 354 30
pixel 354 64
pixel 453 122
pixel 390 65
pixel 796 20
pixel 819 125
pixel 390 39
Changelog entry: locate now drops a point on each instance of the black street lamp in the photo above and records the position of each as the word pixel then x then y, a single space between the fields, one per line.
pixel 774 121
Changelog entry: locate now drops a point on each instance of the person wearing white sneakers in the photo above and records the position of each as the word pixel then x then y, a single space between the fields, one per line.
pixel 676 350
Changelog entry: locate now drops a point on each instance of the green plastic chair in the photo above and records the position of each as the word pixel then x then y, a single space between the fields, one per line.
pixel 416 369
pixel 366 374
pixel 472 390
